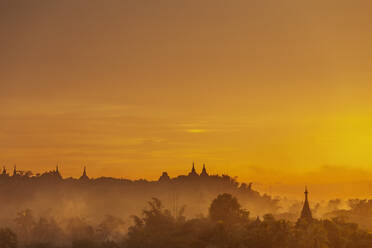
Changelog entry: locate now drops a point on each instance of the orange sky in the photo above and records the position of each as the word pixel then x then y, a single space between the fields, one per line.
pixel 270 91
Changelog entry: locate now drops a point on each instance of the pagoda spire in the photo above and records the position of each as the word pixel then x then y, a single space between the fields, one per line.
pixel 193 171
pixel 306 212
pixel 15 171
pixel 204 171
pixel 57 172
pixel 84 176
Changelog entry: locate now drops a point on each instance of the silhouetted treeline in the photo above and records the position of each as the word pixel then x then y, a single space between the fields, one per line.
pixel 49 194
pixel 227 225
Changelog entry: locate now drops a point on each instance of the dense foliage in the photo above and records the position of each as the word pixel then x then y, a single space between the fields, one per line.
pixel 226 226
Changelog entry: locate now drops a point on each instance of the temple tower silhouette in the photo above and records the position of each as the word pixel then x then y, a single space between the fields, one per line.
pixel 84 176
pixel 57 172
pixel 306 212
pixel 4 173
pixel 204 172
pixel 193 171
pixel 15 171
pixel 164 177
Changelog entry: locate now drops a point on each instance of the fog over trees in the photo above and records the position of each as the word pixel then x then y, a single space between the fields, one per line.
pixel 194 210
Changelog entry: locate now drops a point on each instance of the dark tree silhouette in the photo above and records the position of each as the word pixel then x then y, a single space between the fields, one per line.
pixel 8 239
pixel 226 208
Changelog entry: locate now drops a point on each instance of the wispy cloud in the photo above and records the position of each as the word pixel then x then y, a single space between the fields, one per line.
pixel 196 130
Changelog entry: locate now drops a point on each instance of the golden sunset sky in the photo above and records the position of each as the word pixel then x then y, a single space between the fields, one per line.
pixel 275 92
